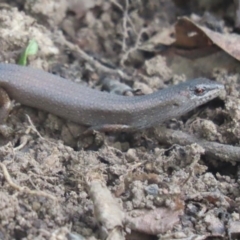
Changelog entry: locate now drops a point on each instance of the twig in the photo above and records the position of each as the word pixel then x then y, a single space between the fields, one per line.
pixel 32 126
pixel 134 48
pixel 214 150
pixel 106 208
pixel 23 189
pixel 117 5
pixel 93 62
pixel 23 142
pixel 214 197
pixel 125 30
pixel 128 18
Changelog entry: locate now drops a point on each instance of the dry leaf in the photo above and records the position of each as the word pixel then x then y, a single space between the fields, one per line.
pixel 154 222
pixel 191 35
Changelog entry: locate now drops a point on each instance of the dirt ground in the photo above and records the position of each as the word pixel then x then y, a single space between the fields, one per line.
pixel 176 181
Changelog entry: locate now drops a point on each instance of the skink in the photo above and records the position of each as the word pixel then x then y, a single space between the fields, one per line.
pixel 101 110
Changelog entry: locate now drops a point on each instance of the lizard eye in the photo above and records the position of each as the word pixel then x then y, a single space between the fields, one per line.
pixel 199 91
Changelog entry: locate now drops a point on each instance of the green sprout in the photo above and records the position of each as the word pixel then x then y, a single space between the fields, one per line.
pixel 31 49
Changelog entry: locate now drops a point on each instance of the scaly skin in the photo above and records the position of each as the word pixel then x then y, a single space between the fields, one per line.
pixel 101 110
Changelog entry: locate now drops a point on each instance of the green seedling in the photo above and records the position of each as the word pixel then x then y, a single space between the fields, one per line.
pixel 31 49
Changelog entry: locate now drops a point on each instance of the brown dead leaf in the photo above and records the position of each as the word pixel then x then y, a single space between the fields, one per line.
pixel 154 222
pixel 191 35
pixel 188 35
